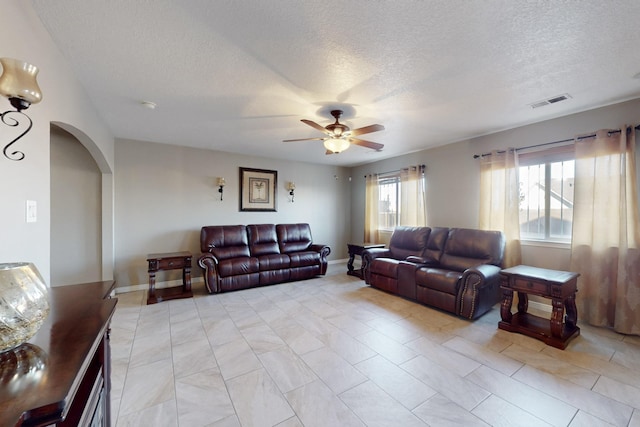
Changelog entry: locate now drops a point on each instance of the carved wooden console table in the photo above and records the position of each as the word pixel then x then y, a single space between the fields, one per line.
pixel 61 376
pixel 559 286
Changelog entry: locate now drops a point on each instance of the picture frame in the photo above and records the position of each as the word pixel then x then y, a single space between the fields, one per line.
pixel 258 190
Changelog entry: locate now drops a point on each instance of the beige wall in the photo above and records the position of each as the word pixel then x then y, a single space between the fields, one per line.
pixel 452 173
pixel 65 101
pixel 166 193
pixel 76 209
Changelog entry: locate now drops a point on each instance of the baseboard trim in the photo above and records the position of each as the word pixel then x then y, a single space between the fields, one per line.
pixel 159 285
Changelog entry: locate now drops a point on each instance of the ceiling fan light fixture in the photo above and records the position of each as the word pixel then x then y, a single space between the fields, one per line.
pixel 336 145
pixel 340 137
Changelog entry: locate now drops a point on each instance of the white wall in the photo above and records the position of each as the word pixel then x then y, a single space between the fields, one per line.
pixel 166 193
pixel 64 100
pixel 76 207
pixel 452 173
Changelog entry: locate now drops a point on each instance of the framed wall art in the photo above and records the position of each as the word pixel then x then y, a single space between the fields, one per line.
pixel 258 189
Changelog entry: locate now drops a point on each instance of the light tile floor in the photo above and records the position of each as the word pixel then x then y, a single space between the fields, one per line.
pixel 333 352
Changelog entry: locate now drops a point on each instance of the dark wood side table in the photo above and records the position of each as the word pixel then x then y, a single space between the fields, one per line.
pixel 169 261
pixel 61 376
pixel 357 249
pixel 559 286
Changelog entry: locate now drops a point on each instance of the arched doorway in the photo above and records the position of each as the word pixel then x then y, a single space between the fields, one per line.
pixel 81 209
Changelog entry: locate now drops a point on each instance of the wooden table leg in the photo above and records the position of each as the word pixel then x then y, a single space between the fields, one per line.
pixel 556 317
pixel 505 307
pixel 572 312
pixel 352 256
pixel 152 286
pixel 186 278
pixel 523 302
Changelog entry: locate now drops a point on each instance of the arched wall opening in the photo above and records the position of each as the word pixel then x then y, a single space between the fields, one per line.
pixel 81 208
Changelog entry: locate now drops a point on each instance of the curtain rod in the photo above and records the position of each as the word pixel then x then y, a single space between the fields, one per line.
pixel 399 170
pixel 475 156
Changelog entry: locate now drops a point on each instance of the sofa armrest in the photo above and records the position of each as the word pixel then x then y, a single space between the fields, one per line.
pixel 368 255
pixel 324 252
pixel 209 263
pixel 479 290
pixel 374 253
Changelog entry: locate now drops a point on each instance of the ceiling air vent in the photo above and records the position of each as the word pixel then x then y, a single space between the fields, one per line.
pixel 553 100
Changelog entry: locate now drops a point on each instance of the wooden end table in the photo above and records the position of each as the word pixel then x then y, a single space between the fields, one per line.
pixel 169 261
pixel 357 249
pixel 559 286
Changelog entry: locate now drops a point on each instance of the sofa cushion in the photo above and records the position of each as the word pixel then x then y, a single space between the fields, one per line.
pixel 293 237
pixel 466 248
pixel 225 241
pixel 237 265
pixel 436 243
pixel 273 262
pixel 408 241
pixel 304 258
pixel 262 239
pixel 446 281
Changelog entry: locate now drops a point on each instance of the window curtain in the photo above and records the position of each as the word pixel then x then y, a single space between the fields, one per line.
pixel 606 238
pixel 371 209
pixel 499 200
pixel 413 204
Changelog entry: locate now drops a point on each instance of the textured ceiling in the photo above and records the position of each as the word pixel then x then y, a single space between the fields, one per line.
pixel 238 76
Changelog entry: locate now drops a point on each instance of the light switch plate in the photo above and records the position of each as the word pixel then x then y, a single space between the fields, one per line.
pixel 32 211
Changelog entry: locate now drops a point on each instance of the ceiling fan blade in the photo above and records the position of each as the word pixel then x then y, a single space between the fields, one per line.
pixel 304 139
pixel 361 142
pixel 367 129
pixel 329 152
pixel 315 126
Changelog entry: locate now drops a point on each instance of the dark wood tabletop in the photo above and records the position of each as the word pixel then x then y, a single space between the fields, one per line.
pixel 39 380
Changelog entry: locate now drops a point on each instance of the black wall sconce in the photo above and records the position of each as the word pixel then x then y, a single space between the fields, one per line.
pixel 221 184
pixel 18 83
pixel 291 186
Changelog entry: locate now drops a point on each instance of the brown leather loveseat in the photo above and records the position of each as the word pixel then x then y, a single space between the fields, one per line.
pixel 246 256
pixel 453 269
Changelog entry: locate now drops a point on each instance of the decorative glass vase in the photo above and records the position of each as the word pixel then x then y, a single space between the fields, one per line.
pixel 24 303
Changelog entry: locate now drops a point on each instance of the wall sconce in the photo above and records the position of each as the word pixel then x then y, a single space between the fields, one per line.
pixel 221 184
pixel 291 186
pixel 18 83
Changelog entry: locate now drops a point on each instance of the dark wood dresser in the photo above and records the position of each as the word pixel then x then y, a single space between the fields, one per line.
pixel 62 375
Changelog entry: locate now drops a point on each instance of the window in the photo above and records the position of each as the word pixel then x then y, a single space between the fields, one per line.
pixel 388 202
pixel 546 182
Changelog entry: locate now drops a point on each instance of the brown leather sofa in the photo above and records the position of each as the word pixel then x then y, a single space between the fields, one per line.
pixel 452 269
pixel 246 256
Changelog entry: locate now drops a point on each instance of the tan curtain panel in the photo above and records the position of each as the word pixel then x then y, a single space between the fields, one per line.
pixel 605 247
pixel 499 200
pixel 413 203
pixel 371 210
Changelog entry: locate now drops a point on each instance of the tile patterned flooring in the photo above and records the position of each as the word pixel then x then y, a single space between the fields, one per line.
pixel 333 352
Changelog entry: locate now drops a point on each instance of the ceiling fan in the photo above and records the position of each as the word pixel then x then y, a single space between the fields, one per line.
pixel 340 137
